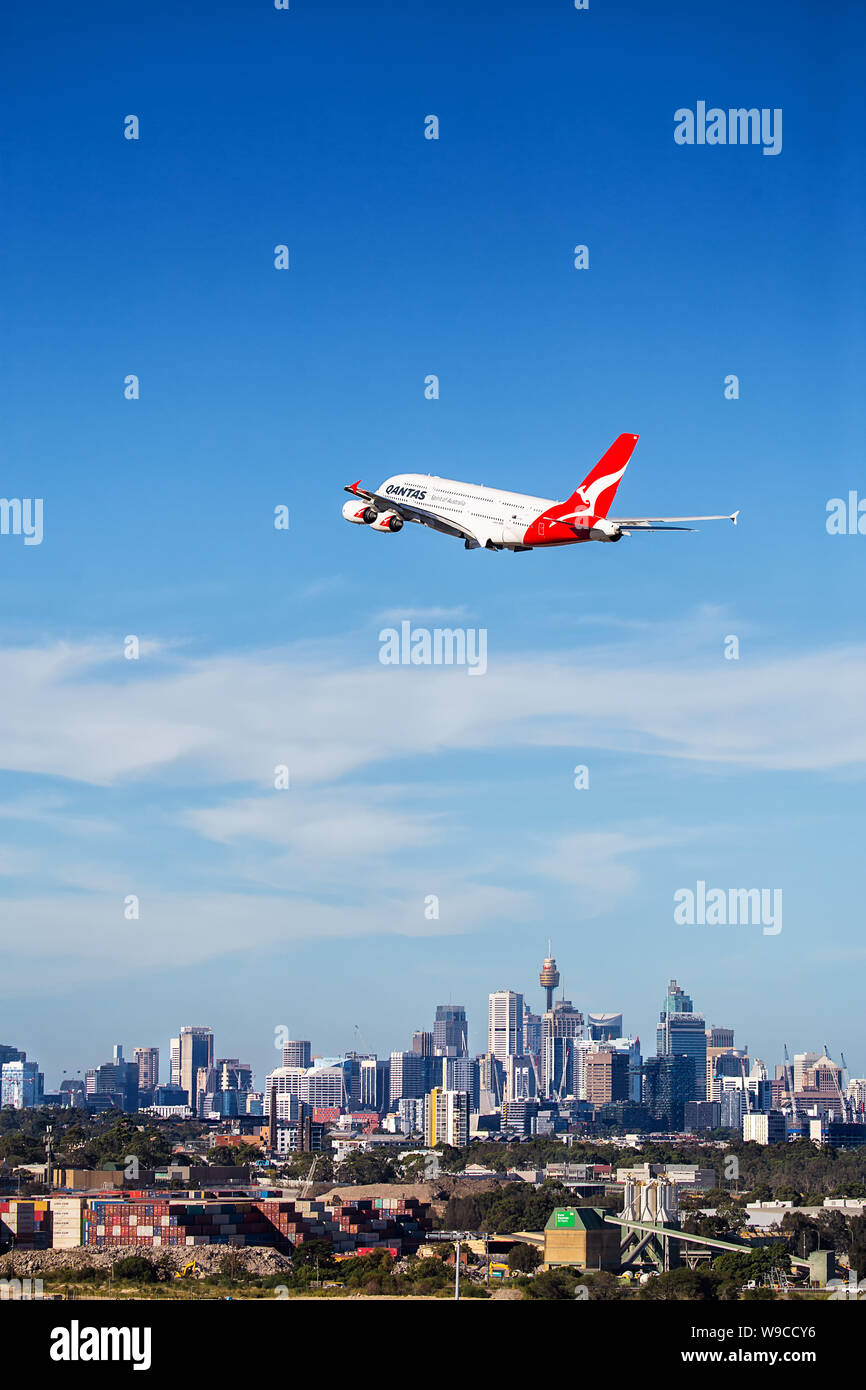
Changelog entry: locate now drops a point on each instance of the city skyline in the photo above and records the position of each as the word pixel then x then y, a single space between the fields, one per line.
pixel 359 1043
pixel 196 721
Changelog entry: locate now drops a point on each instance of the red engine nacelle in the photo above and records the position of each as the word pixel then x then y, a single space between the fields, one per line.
pixel 360 513
pixel 387 521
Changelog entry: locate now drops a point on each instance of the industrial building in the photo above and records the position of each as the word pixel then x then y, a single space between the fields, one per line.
pixel 581 1237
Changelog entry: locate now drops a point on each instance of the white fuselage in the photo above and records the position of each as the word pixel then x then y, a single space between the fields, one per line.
pixel 489 513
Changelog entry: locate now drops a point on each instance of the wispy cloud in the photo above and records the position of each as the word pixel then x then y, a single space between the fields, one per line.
pixel 77 713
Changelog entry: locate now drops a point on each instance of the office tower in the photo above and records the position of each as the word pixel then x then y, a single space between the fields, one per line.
pixel 505 1024
pixel 327 1085
pixel 668 1083
pixel 802 1062
pixel 822 1078
pixel 682 1032
pixel 628 1048
pixel 374 1084
pixel 724 1065
pixel 720 1043
pixel 676 1000
pixel 446 1118
pixel 72 1092
pixel 549 978
pixel 222 1088
pixel 450 1033
pixel 422 1043
pixel 174 1062
pixel 409 1074
pixel 196 1050
pixel 702 1115
pixel 20 1084
pixel 531 1032
pixel 118 1080
pixel 607 1077
pixel 520 1079
pixel 491 1082
pixel 11 1054
pixel 283 1081
pixel 147 1059
pixel 561 1027
pixel 557 1062
pixel 519 1116
pixel 733 1101
pixel 297 1053
pixel 460 1074
pixel 604 1027
pixel 768 1128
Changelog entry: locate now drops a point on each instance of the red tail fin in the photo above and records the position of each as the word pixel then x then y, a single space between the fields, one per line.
pixel 598 489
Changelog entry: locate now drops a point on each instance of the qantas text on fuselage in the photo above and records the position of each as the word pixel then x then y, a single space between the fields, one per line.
pixel 496 520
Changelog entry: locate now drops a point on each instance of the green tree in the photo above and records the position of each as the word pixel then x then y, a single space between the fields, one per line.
pixel 683 1284
pixel 523 1259
pixel 309 1251
pixel 602 1285
pixel 135 1268
pixel 365 1167
pixel 758 1263
pixel 554 1285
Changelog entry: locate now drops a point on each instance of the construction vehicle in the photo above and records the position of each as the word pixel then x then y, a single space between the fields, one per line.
pixel 308 1181
pixel 188 1271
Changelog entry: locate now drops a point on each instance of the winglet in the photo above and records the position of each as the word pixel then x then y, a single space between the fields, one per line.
pixel 354 487
pixel 735 515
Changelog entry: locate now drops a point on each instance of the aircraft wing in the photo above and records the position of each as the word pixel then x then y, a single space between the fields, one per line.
pixel 410 512
pixel 665 523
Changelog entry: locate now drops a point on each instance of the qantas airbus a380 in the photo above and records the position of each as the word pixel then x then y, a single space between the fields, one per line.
pixel 497 520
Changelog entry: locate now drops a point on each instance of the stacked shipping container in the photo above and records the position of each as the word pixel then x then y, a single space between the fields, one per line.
pixel 280 1223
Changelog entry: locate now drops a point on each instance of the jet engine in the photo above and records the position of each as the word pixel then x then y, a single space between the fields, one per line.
pixel 359 513
pixel 387 521
pixel 604 530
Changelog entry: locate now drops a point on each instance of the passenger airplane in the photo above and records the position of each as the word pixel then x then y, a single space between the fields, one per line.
pixel 497 520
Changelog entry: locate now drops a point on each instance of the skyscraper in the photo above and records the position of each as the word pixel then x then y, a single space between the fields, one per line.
pixel 446 1117
pixel 374 1084
pixel 561 1027
pixel 607 1076
pixel 668 1082
pixel 520 1079
pixel 296 1053
pixel 20 1084
pixel 147 1059
pixel 531 1032
pixel 682 1032
pixel 409 1073
pixel 459 1074
pixel 174 1062
pixel 119 1080
pixel 505 1025
pixel 196 1050
pixel 720 1043
pixel 604 1027
pixel 676 1002
pixel 450 1033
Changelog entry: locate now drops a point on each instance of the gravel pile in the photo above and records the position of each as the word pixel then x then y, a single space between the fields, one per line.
pixel 255 1259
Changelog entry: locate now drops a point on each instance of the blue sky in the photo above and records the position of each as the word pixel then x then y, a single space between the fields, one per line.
pixel 304 908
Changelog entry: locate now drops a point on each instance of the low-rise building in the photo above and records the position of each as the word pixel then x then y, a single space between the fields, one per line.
pixel 580 1236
